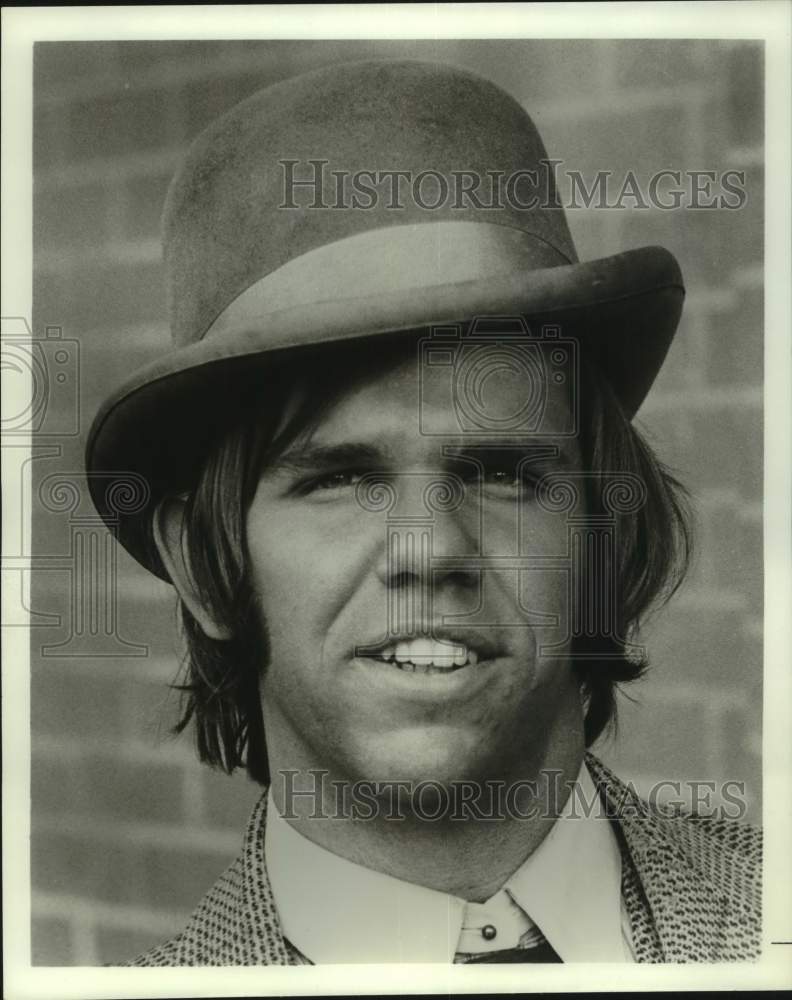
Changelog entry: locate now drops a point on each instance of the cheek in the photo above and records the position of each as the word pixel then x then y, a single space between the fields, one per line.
pixel 538 585
pixel 288 586
pixel 546 543
pixel 542 533
pixel 303 577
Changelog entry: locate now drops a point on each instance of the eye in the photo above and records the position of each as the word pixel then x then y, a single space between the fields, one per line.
pixel 500 477
pixel 508 481
pixel 329 482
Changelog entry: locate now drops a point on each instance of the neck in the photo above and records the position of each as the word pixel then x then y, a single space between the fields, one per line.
pixel 470 856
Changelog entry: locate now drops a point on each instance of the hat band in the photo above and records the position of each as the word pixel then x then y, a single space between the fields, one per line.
pixel 405 258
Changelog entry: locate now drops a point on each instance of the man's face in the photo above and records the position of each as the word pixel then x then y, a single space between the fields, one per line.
pixel 336 570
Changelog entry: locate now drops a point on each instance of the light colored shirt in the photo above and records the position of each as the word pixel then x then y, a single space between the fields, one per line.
pixel 335 911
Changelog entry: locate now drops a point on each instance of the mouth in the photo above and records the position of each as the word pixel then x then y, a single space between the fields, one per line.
pixel 425 655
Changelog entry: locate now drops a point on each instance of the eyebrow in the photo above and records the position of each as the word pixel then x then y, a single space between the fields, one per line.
pixel 537 452
pixel 327 456
pixel 308 456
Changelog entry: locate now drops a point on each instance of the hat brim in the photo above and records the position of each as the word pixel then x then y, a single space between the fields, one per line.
pixel 151 434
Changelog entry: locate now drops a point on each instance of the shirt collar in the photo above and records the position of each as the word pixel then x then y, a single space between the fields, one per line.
pixel 336 911
pixel 333 910
pixel 571 884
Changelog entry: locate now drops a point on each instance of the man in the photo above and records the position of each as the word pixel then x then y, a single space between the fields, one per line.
pixel 392 476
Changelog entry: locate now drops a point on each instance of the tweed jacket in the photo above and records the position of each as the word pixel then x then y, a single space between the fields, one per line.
pixel 690 884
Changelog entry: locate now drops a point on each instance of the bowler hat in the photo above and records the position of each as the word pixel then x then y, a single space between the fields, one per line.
pixel 359 200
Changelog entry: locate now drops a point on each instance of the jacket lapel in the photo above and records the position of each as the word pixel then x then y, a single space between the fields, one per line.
pixel 262 933
pixel 692 915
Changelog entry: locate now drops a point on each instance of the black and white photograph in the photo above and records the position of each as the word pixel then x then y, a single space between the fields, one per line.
pixel 396 555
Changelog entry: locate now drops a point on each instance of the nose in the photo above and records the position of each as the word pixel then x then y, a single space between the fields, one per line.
pixel 429 524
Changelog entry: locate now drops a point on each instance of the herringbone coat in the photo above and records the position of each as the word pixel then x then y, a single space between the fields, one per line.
pixel 691 886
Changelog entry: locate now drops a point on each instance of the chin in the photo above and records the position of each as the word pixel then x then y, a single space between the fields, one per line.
pixel 441 755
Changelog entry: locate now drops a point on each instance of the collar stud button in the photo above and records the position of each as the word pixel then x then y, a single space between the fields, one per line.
pixel 488 932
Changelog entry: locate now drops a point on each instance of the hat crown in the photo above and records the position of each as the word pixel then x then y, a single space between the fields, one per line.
pixel 239 209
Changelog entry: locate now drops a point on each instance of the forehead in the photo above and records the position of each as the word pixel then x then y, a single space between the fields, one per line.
pixel 491 390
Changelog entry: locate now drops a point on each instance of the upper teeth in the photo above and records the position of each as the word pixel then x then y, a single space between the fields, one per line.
pixel 428 651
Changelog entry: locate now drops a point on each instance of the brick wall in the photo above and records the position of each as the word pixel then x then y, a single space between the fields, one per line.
pixel 128 830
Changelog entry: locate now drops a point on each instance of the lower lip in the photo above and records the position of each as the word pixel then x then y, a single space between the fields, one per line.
pixel 451 683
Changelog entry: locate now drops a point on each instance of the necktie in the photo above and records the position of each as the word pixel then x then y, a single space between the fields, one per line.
pixel 542 952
